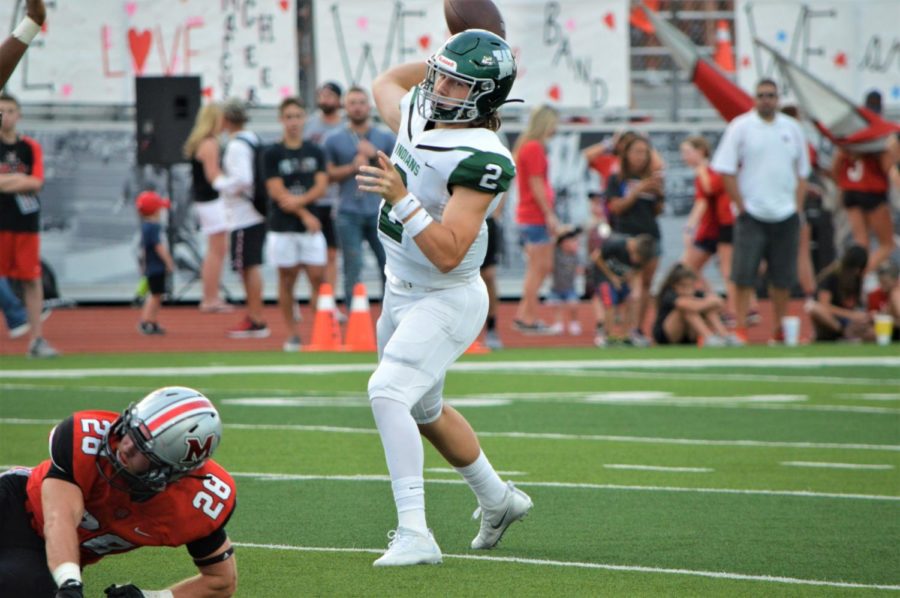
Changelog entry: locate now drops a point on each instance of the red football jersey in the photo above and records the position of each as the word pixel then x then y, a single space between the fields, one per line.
pixel 862 173
pixel 189 510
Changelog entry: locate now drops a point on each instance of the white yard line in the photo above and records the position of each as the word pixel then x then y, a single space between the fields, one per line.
pixel 583 565
pixel 451 470
pixel 681 375
pixel 657 468
pixel 544 436
pixel 872 396
pixel 486 366
pixel 836 465
pixel 286 477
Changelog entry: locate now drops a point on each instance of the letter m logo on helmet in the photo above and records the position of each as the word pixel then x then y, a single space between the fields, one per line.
pixel 198 451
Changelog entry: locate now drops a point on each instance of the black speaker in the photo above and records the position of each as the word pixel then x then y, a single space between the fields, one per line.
pixel 165 110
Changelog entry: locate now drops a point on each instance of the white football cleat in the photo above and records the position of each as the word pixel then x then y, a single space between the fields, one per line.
pixel 409 547
pixel 494 521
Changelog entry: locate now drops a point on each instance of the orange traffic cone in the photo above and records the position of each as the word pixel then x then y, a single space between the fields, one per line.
pixel 477 348
pixel 724 54
pixel 360 331
pixel 326 334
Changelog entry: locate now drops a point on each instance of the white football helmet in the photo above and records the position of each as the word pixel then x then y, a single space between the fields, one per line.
pixel 176 428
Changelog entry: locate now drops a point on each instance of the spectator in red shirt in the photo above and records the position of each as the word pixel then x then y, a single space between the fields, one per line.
pixel 710 226
pixel 863 183
pixel 21 177
pixel 535 216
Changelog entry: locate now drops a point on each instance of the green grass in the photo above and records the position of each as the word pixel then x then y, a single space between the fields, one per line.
pixel 594 530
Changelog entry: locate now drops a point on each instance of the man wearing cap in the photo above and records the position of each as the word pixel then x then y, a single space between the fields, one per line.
pixel 247 224
pixel 155 258
pixel 21 178
pixel 318 126
pixel 351 146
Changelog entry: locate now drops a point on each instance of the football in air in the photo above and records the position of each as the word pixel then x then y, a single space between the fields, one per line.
pixel 474 14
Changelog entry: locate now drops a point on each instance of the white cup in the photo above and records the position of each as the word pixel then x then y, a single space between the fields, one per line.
pixel 884 328
pixel 790 326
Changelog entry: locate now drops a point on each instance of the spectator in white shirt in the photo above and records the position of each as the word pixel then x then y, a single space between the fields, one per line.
pixel 763 160
pixel 246 221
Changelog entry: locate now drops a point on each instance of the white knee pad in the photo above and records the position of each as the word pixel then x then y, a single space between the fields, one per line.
pixel 420 392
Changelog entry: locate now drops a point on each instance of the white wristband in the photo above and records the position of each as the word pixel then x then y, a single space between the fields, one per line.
pixel 405 207
pixel 65 572
pixel 158 594
pixel 26 30
pixel 417 223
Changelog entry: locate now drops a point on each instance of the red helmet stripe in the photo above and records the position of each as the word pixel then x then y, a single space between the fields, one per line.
pixel 162 418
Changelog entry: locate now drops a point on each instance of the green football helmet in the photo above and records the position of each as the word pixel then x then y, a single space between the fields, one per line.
pixel 476 58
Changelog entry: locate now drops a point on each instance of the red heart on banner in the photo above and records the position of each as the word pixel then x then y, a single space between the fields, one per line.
pixel 284 4
pixel 425 41
pixel 554 92
pixel 840 60
pixel 207 92
pixel 610 20
pixel 139 42
pixel 745 62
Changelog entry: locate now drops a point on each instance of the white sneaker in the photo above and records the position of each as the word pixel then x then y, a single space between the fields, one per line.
pixel 20 330
pixel 493 341
pixel 39 348
pixel 409 547
pixel 575 328
pixel 556 328
pixel 494 522
pixel 291 345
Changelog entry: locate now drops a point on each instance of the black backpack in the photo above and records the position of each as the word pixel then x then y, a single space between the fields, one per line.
pixel 260 195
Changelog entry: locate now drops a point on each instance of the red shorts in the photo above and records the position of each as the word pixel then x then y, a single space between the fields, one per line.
pixel 20 255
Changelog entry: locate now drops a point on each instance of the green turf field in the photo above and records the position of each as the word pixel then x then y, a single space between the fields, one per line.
pixel 749 472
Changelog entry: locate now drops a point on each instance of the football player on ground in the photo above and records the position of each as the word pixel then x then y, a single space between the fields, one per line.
pixel 446 174
pixel 116 482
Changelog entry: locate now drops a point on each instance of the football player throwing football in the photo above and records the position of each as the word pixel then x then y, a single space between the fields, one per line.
pixel 115 482
pixel 446 173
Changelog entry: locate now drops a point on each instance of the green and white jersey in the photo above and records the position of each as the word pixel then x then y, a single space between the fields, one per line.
pixel 432 162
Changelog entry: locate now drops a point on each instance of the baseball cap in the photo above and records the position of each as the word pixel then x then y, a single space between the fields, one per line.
pixel 567 232
pixel 334 87
pixel 149 203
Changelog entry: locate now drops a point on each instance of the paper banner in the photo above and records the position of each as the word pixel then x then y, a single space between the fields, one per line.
pixel 90 54
pixel 852 45
pixel 570 53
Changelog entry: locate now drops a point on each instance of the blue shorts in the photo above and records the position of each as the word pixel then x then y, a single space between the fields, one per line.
pixel 560 297
pixel 533 234
pixel 611 296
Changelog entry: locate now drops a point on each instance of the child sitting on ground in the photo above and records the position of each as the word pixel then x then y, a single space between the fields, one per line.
pixel 886 298
pixel 562 292
pixel 685 316
pixel 157 260
pixel 838 310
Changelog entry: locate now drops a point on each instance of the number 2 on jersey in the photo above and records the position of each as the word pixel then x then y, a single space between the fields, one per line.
pixel 489 179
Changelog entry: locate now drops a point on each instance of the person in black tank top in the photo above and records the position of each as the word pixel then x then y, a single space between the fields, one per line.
pixel 202 148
